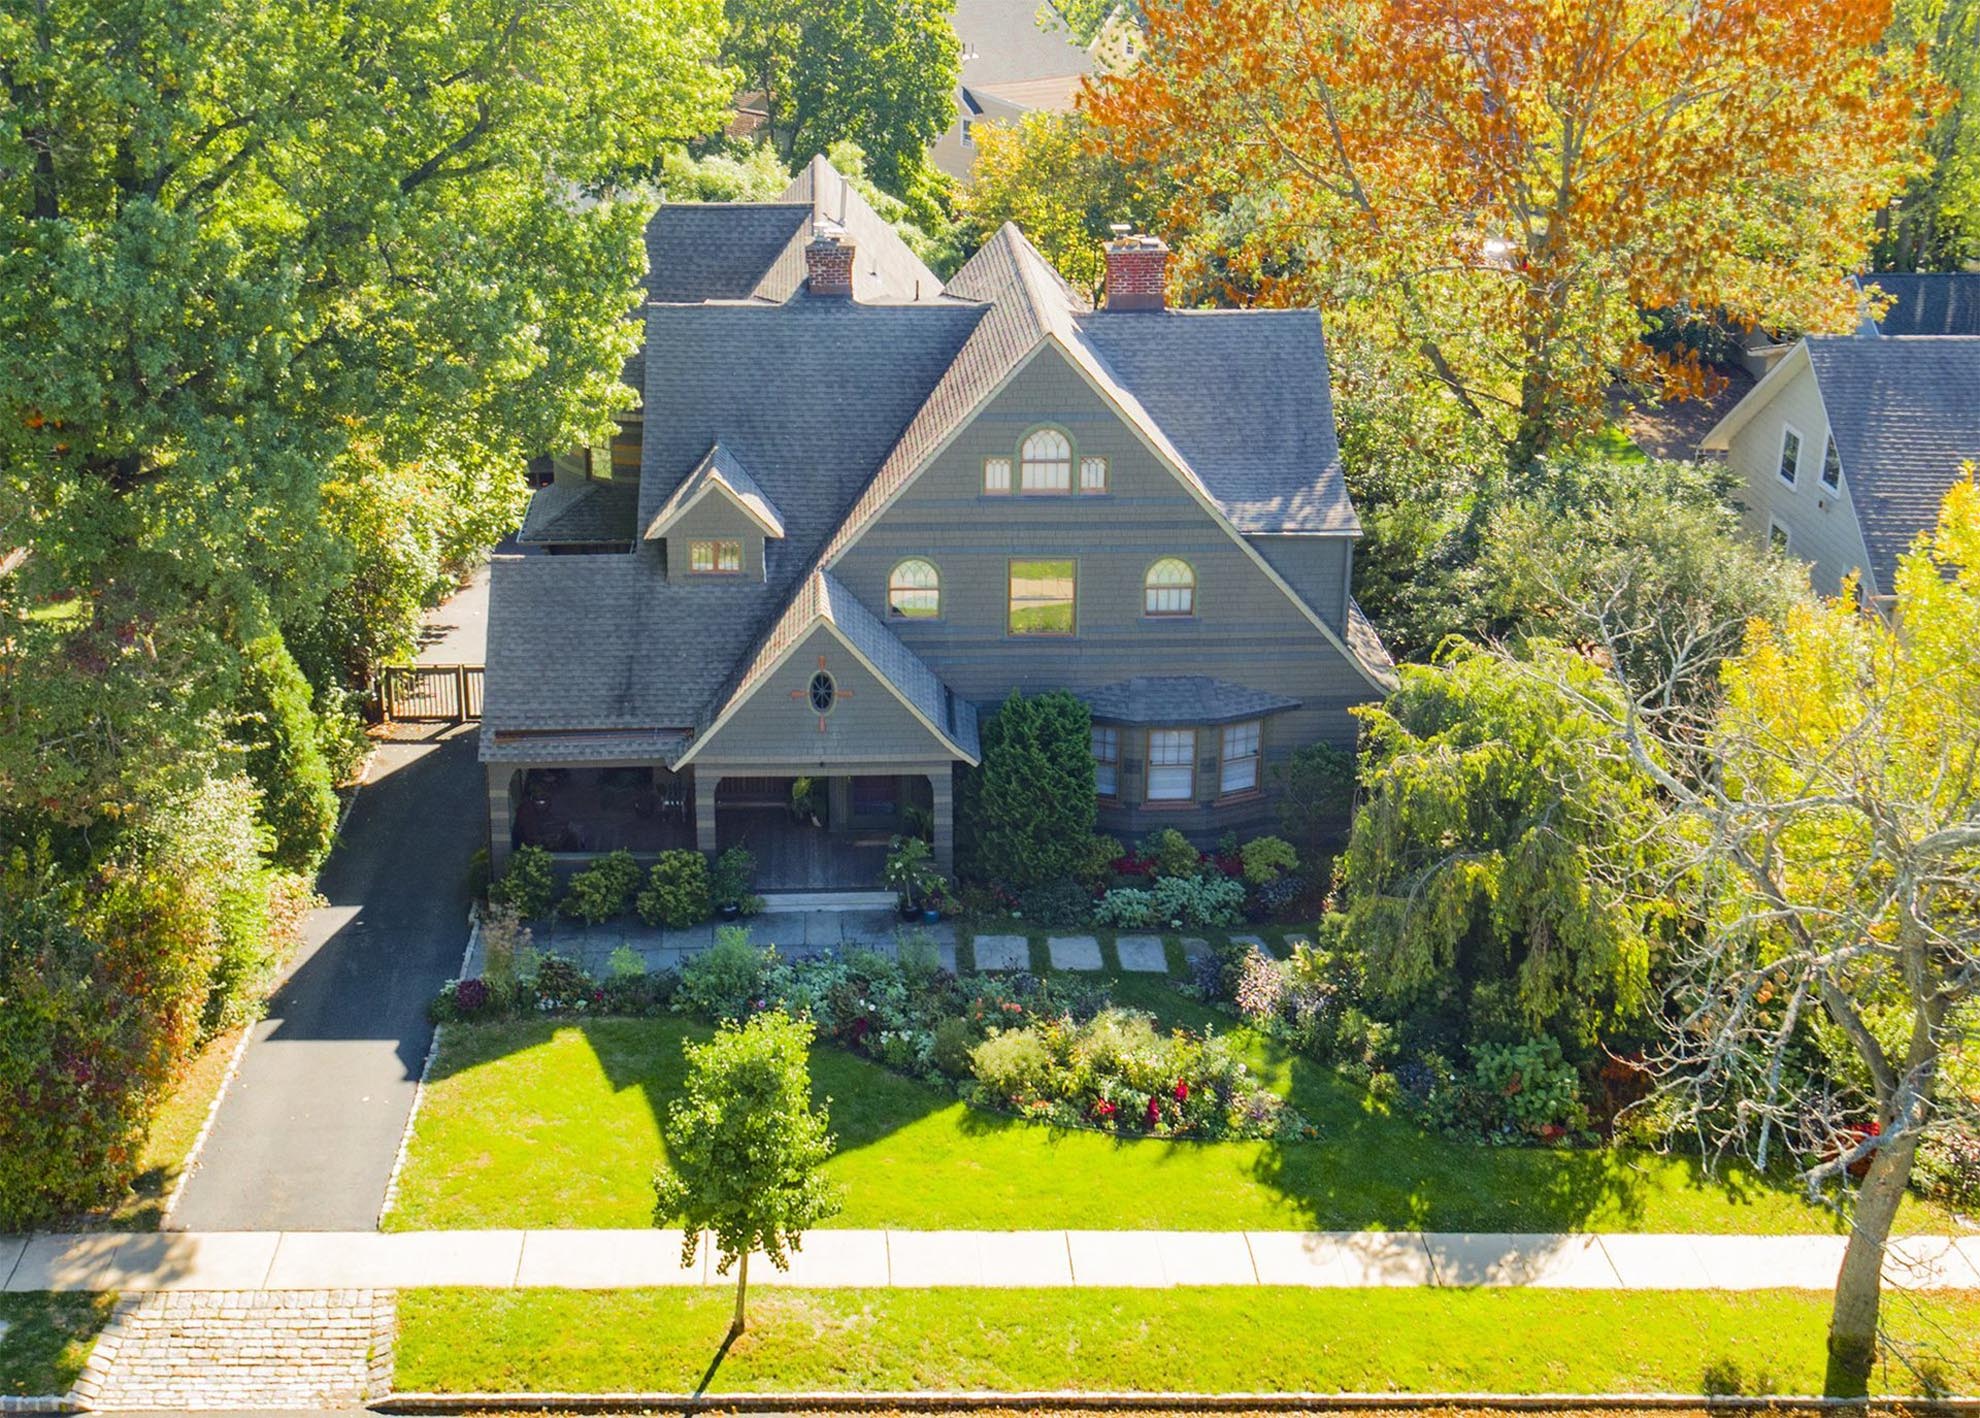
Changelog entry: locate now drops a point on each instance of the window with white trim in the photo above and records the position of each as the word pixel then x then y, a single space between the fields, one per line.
pixel 1779 537
pixel 1045 462
pixel 914 591
pixel 1831 466
pixel 1093 474
pixel 1106 761
pixel 997 475
pixel 714 558
pixel 1790 454
pixel 1169 588
pixel 1240 766
pixel 1171 765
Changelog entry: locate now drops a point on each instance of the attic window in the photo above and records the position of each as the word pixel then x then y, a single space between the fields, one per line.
pixel 1790 454
pixel 1093 474
pixel 715 558
pixel 997 475
pixel 1045 462
pixel 1831 466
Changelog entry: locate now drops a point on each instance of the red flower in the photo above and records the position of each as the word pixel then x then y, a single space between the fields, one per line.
pixel 1182 1090
pixel 1154 1112
pixel 1103 1109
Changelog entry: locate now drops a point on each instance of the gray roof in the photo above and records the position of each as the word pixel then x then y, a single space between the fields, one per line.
pixel 1905 412
pixel 1928 304
pixel 1182 699
pixel 575 511
pixel 719 469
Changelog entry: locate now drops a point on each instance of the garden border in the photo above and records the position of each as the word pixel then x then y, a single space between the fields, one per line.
pixel 391 1197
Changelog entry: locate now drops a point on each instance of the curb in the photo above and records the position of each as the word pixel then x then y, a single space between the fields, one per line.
pixel 43 1403
pixel 419 1089
pixel 191 1164
pixel 1129 1400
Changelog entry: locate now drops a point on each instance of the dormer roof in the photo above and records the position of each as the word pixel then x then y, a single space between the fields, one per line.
pixel 720 473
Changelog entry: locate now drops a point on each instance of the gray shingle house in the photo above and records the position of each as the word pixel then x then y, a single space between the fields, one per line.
pixel 858 507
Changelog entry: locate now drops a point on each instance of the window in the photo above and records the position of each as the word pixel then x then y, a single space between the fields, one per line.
pixel 1106 761
pixel 1170 588
pixel 714 558
pixel 1778 537
pixel 1041 598
pixel 1831 466
pixel 822 692
pixel 997 475
pixel 1790 454
pixel 1093 474
pixel 914 591
pixel 1171 765
pixel 1045 462
pixel 967 139
pixel 1240 773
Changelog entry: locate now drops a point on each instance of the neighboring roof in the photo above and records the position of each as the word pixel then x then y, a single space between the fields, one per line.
pixel 723 473
pixel 1927 304
pixel 1003 41
pixel 1905 413
pixel 575 511
pixel 755 250
pixel 1366 643
pixel 1182 699
pixel 1055 93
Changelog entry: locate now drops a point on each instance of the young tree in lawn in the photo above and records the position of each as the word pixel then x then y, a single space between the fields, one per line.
pixel 744 1146
pixel 1824 823
pixel 1504 186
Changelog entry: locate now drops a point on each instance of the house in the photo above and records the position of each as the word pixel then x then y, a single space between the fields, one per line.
pixel 1010 66
pixel 868 506
pixel 1848 446
pixel 1931 303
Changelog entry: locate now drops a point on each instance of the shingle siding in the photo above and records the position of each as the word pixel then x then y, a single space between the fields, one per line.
pixel 714 518
pixel 1820 521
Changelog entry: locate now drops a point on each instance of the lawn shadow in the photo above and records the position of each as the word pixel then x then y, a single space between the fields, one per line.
pixel 715 1364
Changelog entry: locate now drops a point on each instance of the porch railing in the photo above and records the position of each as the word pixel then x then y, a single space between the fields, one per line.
pixel 430 693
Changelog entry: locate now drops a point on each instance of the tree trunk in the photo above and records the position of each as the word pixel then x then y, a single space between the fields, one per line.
pixel 1859 1285
pixel 742 1289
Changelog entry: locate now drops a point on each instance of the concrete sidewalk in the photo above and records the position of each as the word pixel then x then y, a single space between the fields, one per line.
pixel 319 1260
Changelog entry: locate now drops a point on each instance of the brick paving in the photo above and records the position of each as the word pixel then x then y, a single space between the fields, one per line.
pixel 234 1349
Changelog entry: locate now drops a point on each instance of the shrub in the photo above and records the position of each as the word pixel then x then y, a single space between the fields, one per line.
pixel 1266 859
pixel 1261 986
pixel 724 982
pixel 1013 1065
pixel 733 880
pixel 1948 1163
pixel 624 963
pixel 602 890
pixel 1272 900
pixel 528 885
pixel 282 746
pixel 1028 811
pixel 1316 789
pixel 950 1052
pixel 1171 853
pixel 562 987
pixel 1096 868
pixel 1126 907
pixel 676 893
pixel 1057 904
pixel 911 871
pixel 1533 1089
pixel 1209 902
pixel 507 954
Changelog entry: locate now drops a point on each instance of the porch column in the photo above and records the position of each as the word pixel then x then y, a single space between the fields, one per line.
pixel 501 816
pixel 704 810
pixel 942 785
pixel 839 805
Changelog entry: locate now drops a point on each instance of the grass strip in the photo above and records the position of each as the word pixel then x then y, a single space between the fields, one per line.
pixel 1253 1340
pixel 44 1339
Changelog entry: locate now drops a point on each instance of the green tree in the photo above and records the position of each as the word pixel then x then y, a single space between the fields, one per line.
pixel 284 755
pixel 745 1146
pixel 1935 223
pixel 1029 809
pixel 1485 852
pixel 881 73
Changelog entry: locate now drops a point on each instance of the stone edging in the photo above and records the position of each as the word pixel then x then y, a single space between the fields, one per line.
pixel 1130 1400
pixel 425 1072
pixel 191 1164
pixel 102 1354
pixel 45 1403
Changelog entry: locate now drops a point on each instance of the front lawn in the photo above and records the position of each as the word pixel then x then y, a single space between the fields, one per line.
pixel 45 1338
pixel 1197 1340
pixel 543 1123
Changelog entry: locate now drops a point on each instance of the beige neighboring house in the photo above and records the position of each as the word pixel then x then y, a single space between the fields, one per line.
pixel 1848 446
pixel 1011 66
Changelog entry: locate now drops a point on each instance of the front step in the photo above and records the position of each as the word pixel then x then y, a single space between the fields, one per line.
pixel 828 900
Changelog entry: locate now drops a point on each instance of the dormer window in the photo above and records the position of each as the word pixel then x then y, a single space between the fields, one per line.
pixel 715 558
pixel 1045 463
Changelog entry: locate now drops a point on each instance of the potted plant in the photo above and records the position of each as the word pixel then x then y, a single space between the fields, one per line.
pixel 936 901
pixel 806 800
pixel 908 870
pixel 730 883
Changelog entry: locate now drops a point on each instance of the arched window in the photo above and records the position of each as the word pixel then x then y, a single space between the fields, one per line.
pixel 1045 462
pixel 914 591
pixel 1170 588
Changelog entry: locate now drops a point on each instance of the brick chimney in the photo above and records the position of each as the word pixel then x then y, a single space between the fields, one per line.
pixel 828 263
pixel 1136 266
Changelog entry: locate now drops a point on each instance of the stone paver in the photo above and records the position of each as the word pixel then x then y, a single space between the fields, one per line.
pixel 1195 948
pixel 1074 952
pixel 1251 940
pixel 1002 952
pixel 1495 1258
pixel 242 1350
pixel 795 933
pixel 1142 954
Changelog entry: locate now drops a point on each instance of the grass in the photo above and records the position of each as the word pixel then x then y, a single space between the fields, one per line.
pixel 1195 1340
pixel 548 1124
pixel 45 1338
pixel 173 1132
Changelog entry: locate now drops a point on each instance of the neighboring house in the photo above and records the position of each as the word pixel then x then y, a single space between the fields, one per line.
pixel 863 516
pixel 1010 67
pixel 1925 304
pixel 1848 446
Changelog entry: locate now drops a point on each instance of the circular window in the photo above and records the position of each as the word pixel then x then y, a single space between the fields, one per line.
pixel 823 692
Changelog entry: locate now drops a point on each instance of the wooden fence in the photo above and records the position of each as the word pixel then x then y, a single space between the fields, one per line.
pixel 430 693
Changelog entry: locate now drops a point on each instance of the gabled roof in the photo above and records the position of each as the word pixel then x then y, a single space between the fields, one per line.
pixel 723 474
pixel 577 511
pixel 1905 412
pixel 1927 303
pixel 822 600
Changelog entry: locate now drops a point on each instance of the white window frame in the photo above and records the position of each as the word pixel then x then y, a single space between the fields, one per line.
pixel 997 477
pixel 1107 764
pixel 1248 738
pixel 1831 458
pixel 1786 533
pixel 968 140
pixel 1167 772
pixel 895 585
pixel 1790 475
pixel 1093 474
pixel 1185 592
pixel 1059 467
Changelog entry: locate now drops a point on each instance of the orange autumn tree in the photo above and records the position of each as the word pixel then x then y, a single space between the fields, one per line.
pixel 1503 188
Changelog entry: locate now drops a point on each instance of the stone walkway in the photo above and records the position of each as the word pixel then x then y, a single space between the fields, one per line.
pixel 795 933
pixel 332 1261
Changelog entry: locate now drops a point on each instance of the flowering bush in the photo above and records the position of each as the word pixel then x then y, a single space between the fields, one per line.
pixel 1261 986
